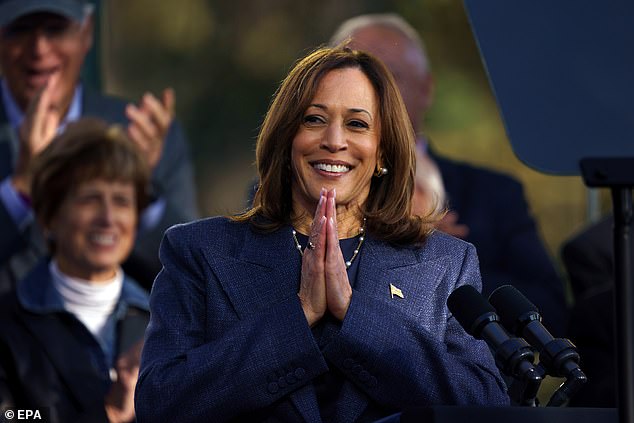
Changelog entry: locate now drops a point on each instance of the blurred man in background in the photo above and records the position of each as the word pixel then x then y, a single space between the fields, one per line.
pixel 588 257
pixel 42 48
pixel 486 208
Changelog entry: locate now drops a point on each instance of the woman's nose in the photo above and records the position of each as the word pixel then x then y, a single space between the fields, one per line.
pixel 106 213
pixel 334 139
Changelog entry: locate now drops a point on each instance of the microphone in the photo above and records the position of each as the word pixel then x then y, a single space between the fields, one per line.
pixel 513 356
pixel 521 317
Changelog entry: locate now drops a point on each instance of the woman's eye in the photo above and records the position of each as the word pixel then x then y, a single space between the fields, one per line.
pixel 313 119
pixel 358 124
pixel 87 199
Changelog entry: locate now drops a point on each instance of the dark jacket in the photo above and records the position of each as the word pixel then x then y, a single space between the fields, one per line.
pixel 49 360
pixel 589 260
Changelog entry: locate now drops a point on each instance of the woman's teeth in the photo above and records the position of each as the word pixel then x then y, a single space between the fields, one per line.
pixel 102 239
pixel 331 168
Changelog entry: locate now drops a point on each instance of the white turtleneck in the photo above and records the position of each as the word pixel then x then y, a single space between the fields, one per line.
pixel 91 302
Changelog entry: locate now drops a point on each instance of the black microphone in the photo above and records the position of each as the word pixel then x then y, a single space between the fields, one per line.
pixel 513 356
pixel 521 317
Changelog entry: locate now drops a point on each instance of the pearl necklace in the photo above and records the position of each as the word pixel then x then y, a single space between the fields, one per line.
pixel 354 255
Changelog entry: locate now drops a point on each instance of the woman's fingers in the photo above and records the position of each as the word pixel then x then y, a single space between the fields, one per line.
pixel 338 289
pixel 315 237
pixel 312 289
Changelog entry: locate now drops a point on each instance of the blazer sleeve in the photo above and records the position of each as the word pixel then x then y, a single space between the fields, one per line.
pixel 202 364
pixel 400 364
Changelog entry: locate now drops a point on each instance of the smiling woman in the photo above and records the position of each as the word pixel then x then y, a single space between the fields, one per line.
pixel 336 147
pixel 247 325
pixel 87 190
pixel 70 337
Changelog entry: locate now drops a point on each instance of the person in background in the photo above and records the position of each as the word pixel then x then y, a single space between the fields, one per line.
pixel 485 208
pixel 326 301
pixel 588 257
pixel 589 260
pixel 42 47
pixel 71 333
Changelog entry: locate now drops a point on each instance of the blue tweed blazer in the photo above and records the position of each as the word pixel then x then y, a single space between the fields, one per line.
pixel 228 339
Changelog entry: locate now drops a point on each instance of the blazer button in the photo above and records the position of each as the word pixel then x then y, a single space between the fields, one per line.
pixel 300 373
pixel 348 363
pixel 273 387
pixel 356 369
pixel 364 376
pixel 290 378
pixel 281 382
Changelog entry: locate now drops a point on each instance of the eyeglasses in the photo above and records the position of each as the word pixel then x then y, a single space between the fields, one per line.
pixel 53 28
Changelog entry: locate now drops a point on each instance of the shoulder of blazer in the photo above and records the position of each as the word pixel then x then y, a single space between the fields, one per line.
pixel 213 232
pixel 440 243
pixel 220 238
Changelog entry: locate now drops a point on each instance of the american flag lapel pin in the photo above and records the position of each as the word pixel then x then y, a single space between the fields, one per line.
pixel 394 291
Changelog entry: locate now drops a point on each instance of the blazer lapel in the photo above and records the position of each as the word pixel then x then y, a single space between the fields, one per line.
pixel 266 271
pixel 272 265
pixel 402 278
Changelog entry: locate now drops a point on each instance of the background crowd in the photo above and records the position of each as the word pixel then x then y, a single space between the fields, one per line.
pixel 221 67
pixel 250 45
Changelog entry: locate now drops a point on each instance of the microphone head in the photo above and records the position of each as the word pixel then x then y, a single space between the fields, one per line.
pixel 471 309
pixel 514 309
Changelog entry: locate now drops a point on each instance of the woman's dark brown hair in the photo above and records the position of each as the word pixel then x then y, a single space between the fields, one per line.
pixel 88 149
pixel 388 206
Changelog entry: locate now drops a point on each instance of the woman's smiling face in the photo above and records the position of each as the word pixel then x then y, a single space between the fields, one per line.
pixel 337 143
pixel 94 229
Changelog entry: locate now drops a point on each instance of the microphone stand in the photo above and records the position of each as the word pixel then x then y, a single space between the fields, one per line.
pixel 524 391
pixel 618 175
pixel 562 358
pixel 567 389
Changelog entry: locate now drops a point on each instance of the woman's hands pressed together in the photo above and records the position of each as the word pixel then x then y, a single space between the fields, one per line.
pixel 324 282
